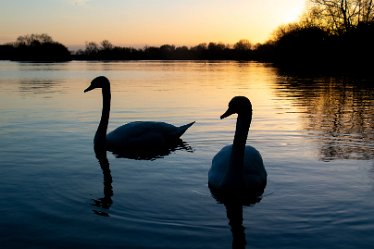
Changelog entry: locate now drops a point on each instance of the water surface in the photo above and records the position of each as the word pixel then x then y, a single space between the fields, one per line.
pixel 316 136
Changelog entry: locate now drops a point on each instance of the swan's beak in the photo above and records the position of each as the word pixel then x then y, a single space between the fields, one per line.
pixel 89 88
pixel 227 113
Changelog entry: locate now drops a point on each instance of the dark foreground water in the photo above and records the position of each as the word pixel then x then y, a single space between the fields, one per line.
pixel 316 136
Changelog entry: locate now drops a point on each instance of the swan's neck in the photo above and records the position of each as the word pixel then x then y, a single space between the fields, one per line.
pixel 100 136
pixel 241 133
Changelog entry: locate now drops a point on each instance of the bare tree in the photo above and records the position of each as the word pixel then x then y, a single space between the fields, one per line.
pixel 243 45
pixel 106 45
pixel 287 28
pixel 33 38
pixel 341 15
pixel 91 48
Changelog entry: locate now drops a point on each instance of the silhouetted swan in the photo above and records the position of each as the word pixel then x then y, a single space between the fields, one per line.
pixel 237 166
pixel 138 135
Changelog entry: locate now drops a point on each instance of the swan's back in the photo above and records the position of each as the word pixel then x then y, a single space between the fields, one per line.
pixel 144 134
pixel 253 174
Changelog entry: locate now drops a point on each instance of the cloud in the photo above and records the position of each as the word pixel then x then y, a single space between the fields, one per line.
pixel 79 2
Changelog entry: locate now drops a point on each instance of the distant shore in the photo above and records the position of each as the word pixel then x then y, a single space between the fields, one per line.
pixel 299 48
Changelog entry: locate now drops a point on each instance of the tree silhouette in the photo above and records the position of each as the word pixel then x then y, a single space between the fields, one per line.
pixel 243 49
pixel 39 47
pixel 33 39
pixel 106 45
pixel 341 16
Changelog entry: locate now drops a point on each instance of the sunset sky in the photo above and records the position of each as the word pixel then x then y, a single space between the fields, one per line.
pixel 146 22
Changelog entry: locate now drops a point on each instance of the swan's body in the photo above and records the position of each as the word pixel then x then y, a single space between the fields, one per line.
pixel 144 134
pixel 138 135
pixel 237 166
pixel 252 174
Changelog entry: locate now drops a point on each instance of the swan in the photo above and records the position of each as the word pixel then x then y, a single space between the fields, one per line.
pixel 238 166
pixel 133 136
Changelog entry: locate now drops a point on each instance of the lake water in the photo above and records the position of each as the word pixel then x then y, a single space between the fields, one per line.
pixel 315 134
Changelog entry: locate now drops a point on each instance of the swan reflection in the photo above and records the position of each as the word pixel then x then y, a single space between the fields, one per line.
pixel 153 153
pixel 234 203
pixel 103 204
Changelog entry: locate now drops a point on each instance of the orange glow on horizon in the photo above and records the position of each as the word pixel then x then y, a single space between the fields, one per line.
pixel 141 23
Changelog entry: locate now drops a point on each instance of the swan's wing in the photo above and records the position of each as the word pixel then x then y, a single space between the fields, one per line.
pixel 253 163
pixel 141 133
pixel 220 167
pixel 254 172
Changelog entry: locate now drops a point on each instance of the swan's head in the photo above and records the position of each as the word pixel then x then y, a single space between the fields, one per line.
pixel 240 105
pixel 98 82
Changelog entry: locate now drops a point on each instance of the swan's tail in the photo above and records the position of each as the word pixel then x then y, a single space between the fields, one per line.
pixel 182 129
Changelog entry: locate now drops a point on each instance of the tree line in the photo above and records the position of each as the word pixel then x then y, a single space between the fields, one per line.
pixel 35 47
pixel 41 47
pixel 334 34
pixel 211 51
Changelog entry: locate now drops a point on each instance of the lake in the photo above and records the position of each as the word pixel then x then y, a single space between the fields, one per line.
pixel 315 134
